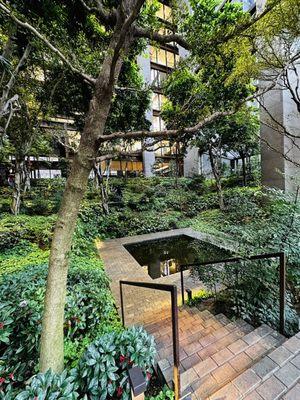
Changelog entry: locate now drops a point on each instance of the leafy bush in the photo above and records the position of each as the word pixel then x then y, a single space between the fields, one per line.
pixel 23 255
pixel 50 386
pixel 102 372
pixel 14 229
pixel 89 311
pixel 250 290
pixel 199 297
pixel 165 394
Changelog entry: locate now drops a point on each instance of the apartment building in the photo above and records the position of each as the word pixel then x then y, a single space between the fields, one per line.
pixel 280 155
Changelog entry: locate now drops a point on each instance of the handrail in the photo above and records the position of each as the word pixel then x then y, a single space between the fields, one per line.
pixel 282 278
pixel 172 289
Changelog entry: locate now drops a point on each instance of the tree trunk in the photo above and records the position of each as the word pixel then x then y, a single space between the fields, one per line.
pixel 244 172
pixel 217 176
pixel 27 184
pixel 16 201
pixel 52 338
pixel 103 187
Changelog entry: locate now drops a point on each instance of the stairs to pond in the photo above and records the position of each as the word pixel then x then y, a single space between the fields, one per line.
pixel 222 359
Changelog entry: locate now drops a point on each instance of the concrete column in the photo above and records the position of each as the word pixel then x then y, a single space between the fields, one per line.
pixel 191 162
pixel 148 156
pixel 279 153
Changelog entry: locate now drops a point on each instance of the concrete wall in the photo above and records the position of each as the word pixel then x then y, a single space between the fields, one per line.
pixel 280 154
pixel 148 156
pixel 191 162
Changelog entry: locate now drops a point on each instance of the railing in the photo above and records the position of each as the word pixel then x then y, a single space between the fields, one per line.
pixel 282 278
pixel 172 289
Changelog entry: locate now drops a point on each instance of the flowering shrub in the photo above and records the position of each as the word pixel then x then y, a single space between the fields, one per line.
pixel 102 372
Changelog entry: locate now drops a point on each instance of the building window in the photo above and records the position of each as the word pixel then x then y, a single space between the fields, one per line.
pixel 163 57
pixel 157 101
pixel 158 123
pixel 158 77
pixel 164 13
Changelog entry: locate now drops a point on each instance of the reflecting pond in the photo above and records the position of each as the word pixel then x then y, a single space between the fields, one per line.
pixel 162 257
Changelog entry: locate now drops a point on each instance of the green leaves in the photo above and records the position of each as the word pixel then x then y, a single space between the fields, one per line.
pixel 89 311
pixel 50 386
pixel 104 366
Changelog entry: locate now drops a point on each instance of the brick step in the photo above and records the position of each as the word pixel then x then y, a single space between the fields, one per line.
pixel 293 393
pixel 202 342
pixel 276 376
pixel 212 374
pixel 189 330
pixel 155 316
pixel 186 319
pixel 205 342
pixel 270 378
pixel 267 379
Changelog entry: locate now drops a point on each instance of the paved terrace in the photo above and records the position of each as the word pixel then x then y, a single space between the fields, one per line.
pixel 120 265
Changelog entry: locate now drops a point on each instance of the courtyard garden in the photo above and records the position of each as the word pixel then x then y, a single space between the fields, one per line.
pixel 153 144
pixel 257 219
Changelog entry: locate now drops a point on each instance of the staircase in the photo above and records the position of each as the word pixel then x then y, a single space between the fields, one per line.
pixel 222 359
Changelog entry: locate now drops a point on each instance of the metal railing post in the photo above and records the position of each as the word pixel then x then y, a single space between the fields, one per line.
pixel 182 284
pixel 175 334
pixel 122 304
pixel 282 299
pixel 172 289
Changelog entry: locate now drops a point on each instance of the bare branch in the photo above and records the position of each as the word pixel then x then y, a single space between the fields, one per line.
pixel 54 49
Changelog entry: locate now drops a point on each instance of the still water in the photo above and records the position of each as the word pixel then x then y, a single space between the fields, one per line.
pixel 163 257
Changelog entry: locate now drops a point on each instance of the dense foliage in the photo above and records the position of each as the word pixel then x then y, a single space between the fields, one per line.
pixel 89 312
pixel 102 371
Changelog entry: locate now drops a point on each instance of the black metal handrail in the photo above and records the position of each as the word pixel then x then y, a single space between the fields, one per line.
pixel 172 289
pixel 282 278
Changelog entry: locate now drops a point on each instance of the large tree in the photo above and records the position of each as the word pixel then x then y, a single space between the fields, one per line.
pixel 206 30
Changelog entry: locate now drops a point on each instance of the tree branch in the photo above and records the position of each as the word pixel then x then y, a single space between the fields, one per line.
pixel 242 28
pixel 190 131
pixel 162 39
pixel 105 16
pixel 54 49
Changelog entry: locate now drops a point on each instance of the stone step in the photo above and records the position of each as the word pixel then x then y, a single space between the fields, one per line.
pixel 189 327
pixel 185 318
pixel 204 343
pixel 209 343
pixel 193 340
pixel 212 374
pixel 293 393
pixel 271 378
pixel 278 374
pixel 189 332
